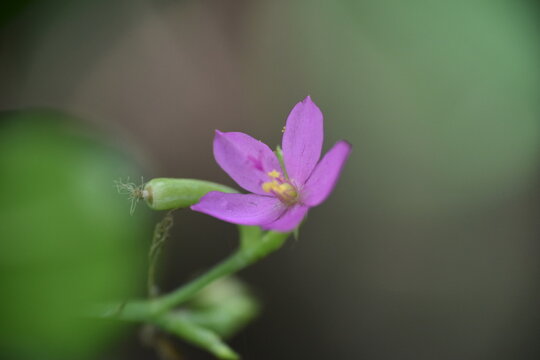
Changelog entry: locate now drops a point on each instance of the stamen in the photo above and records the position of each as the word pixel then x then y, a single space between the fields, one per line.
pixel 270 186
pixel 284 191
pixel 274 174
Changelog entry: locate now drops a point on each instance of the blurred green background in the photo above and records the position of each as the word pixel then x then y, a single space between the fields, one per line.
pixel 428 248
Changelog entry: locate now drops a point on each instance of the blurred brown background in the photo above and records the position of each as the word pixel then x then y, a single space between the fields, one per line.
pixel 428 248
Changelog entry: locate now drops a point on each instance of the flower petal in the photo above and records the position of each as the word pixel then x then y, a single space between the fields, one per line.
pixel 245 159
pixel 321 183
pixel 289 220
pixel 243 209
pixel 302 140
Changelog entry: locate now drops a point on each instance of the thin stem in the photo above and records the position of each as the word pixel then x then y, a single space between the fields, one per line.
pixel 230 265
pixel 236 262
pixel 161 233
pixel 243 257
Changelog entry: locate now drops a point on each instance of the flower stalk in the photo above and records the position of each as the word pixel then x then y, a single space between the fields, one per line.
pixel 251 251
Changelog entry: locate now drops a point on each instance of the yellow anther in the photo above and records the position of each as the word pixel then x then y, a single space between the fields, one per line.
pixel 274 174
pixel 284 191
pixel 270 186
pixel 285 187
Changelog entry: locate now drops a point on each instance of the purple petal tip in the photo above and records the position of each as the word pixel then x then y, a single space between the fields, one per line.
pixel 345 142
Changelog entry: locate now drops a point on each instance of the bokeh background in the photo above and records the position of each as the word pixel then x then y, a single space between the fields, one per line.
pixel 428 248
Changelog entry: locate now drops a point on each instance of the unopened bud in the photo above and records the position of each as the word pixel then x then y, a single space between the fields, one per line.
pixel 168 194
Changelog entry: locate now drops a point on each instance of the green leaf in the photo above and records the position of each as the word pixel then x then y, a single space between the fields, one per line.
pixel 67 239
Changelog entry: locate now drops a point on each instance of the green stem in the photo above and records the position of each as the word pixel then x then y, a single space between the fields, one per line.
pixel 161 233
pixel 243 257
pixel 271 242
pixel 230 265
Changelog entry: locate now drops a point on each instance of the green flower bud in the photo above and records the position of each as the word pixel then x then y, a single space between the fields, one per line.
pixel 168 194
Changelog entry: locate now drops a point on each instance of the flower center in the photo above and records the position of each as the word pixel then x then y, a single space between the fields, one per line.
pixel 281 188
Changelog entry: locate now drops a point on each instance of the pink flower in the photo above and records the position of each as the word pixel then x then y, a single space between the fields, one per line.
pixel 280 198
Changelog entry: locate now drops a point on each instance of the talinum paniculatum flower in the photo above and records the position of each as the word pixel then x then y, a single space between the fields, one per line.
pixel 280 198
